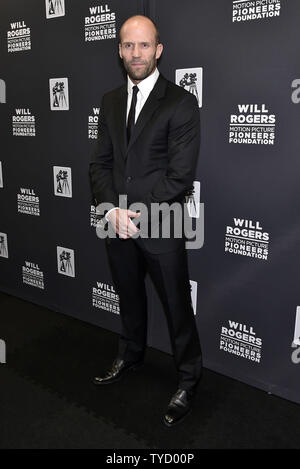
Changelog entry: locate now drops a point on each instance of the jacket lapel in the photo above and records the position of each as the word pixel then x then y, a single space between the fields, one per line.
pixel 120 113
pixel 148 109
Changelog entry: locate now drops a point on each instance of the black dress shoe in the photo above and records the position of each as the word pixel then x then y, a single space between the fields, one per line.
pixel 179 406
pixel 118 369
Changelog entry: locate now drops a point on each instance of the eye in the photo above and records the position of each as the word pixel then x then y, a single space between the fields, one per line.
pixel 145 45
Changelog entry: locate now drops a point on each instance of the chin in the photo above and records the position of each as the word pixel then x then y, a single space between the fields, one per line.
pixel 142 76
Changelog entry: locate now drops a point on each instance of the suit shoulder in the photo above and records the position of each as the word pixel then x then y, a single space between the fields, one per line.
pixel 112 94
pixel 179 94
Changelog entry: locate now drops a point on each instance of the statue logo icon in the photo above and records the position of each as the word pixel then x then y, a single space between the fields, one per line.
pixel 59 94
pixel 191 80
pixel 55 8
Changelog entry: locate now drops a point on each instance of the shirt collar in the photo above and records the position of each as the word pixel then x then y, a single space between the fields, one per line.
pixel 145 86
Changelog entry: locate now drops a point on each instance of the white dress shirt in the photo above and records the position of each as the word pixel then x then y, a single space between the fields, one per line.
pixel 145 87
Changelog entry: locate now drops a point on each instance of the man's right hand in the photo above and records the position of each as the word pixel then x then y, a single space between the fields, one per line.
pixel 121 222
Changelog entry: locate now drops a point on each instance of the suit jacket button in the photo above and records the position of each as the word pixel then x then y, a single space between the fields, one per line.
pixel 128 179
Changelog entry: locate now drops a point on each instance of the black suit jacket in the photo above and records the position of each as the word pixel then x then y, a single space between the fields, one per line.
pixel 159 163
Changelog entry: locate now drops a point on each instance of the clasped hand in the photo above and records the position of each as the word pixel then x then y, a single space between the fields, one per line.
pixel 121 222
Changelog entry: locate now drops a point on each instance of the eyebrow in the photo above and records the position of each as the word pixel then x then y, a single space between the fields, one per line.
pixel 141 42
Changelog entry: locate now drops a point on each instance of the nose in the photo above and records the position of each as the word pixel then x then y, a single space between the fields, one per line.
pixel 136 51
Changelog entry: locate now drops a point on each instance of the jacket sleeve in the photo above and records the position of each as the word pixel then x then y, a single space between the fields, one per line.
pixel 101 165
pixel 183 150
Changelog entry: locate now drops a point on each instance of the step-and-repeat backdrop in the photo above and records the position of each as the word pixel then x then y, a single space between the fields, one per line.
pixel 241 60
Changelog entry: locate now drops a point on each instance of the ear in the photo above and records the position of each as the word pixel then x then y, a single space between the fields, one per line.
pixel 120 51
pixel 159 49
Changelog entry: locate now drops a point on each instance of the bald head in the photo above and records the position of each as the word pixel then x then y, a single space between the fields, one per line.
pixel 138 22
pixel 139 47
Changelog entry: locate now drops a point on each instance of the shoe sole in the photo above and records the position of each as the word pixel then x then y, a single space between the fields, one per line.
pixel 115 380
pixel 177 421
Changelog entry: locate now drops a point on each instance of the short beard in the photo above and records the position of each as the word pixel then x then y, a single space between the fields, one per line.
pixel 140 76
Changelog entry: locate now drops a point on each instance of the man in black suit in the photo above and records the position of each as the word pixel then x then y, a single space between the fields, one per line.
pixel 146 153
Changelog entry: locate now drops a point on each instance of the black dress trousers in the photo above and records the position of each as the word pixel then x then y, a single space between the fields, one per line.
pixel 129 262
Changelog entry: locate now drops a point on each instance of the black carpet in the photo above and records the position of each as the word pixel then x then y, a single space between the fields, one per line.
pixel 47 399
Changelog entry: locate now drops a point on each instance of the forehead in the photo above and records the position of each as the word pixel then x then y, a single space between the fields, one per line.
pixel 138 31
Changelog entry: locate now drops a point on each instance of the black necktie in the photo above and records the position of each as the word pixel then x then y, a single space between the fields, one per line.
pixel 131 115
